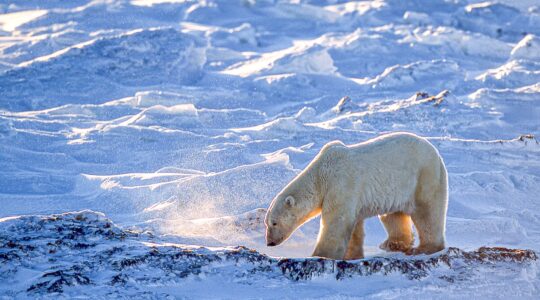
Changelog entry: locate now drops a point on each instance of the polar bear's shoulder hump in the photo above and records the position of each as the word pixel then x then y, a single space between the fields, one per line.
pixel 333 146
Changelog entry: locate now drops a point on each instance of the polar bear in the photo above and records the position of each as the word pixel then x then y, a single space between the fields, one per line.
pixel 399 176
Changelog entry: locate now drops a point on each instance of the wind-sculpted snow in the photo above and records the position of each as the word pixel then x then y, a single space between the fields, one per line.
pixel 103 68
pixel 185 118
pixel 527 48
pixel 85 253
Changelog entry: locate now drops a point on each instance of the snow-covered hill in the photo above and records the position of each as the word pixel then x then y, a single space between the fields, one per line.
pixel 184 118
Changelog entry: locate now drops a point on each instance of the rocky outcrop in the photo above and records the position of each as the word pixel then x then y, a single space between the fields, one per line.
pixel 87 249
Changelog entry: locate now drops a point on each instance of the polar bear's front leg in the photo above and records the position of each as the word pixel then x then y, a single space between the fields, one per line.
pixel 334 236
pixel 356 244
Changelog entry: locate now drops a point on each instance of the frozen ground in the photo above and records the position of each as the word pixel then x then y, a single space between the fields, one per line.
pixel 184 118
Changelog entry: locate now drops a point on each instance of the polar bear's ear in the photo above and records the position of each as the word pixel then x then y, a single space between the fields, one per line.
pixel 290 201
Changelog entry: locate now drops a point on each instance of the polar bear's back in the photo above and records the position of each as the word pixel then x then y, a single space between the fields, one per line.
pixel 396 146
pixel 390 138
pixel 386 170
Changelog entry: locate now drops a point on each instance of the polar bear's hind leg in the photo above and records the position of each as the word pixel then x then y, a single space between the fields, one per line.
pixel 398 225
pixel 429 216
pixel 430 232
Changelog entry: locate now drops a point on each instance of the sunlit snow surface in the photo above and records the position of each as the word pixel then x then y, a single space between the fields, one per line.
pixel 185 118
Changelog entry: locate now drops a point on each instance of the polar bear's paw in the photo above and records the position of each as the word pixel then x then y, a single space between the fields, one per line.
pixel 396 245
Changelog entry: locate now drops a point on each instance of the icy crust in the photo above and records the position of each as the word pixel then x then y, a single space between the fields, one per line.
pixel 84 252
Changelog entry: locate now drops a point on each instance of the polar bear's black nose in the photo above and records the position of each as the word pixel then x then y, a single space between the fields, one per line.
pixel 270 244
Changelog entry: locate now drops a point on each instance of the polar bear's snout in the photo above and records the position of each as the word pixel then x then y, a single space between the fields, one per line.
pixel 273 236
pixel 269 239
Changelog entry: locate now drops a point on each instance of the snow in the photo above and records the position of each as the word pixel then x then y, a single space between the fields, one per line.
pixel 185 118
pixel 10 21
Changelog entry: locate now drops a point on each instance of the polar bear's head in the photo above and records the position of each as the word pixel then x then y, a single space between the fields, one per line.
pixel 281 219
pixel 302 198
pixel 292 207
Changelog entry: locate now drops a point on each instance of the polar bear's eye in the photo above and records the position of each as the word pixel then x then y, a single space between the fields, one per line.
pixel 274 224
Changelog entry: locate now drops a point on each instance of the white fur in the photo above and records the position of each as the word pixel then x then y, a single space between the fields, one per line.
pixel 396 176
